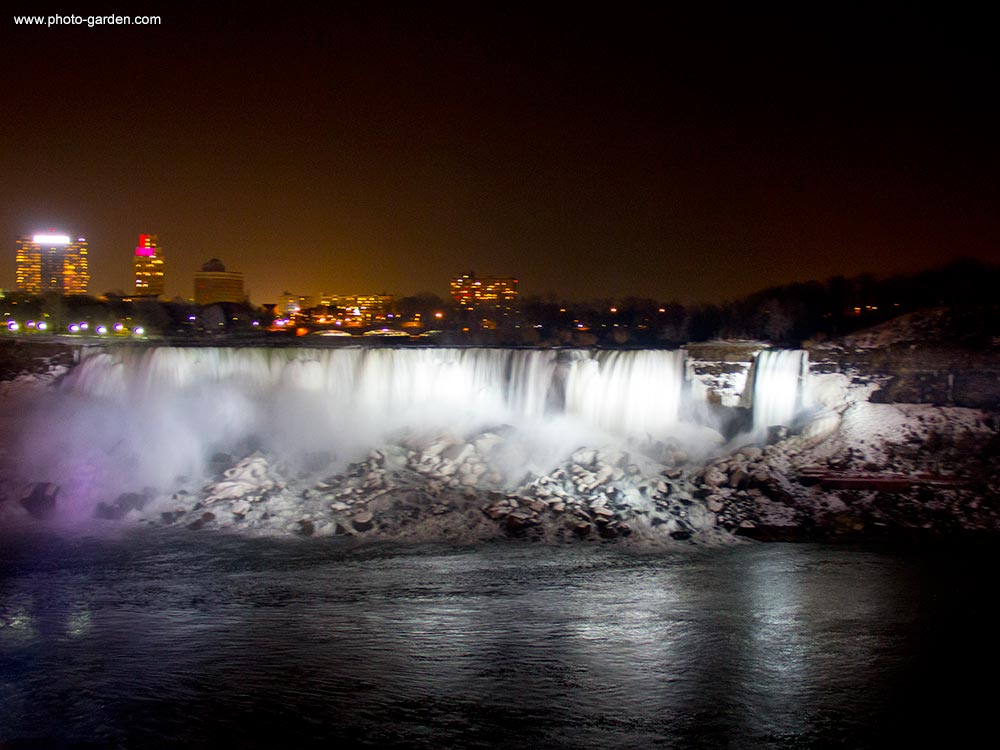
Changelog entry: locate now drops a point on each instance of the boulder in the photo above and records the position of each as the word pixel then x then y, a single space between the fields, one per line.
pixel 612 458
pixel 458 452
pixel 739 479
pixel 615 529
pixel 496 511
pixel 127 501
pixel 520 519
pixel 700 517
pixel 487 442
pixel 714 478
pixel 603 474
pixel 40 500
pixel 437 448
pixel 200 522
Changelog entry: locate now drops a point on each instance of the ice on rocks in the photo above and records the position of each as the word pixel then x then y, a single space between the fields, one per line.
pixel 467 487
pixel 249 477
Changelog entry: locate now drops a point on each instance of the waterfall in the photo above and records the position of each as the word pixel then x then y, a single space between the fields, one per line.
pixel 622 392
pixel 627 392
pixel 128 418
pixel 778 387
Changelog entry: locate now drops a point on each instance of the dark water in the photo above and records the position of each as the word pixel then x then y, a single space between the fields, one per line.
pixel 166 640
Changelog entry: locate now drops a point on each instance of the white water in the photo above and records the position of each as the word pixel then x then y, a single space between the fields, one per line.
pixel 777 387
pixel 627 393
pixel 128 418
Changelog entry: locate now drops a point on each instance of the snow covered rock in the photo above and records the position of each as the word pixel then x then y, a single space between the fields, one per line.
pixel 249 477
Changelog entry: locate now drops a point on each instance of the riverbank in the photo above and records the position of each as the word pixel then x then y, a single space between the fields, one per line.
pixel 848 466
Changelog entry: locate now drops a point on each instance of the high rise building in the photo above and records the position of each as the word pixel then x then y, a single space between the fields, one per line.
pixel 469 292
pixel 52 263
pixel 149 267
pixel 355 309
pixel 215 284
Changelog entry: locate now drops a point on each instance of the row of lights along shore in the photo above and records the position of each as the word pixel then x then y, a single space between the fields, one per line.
pixel 83 327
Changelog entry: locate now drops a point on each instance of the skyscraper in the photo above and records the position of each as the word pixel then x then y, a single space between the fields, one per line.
pixel 215 284
pixel 149 267
pixel 52 263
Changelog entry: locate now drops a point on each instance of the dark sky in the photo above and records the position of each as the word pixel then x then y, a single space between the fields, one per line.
pixel 588 153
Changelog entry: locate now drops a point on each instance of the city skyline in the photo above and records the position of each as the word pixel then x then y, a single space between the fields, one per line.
pixel 149 274
pixel 630 153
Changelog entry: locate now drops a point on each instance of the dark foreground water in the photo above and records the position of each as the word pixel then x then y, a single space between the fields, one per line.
pixel 191 640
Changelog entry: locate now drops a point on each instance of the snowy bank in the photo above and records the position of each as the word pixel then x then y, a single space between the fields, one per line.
pixel 560 446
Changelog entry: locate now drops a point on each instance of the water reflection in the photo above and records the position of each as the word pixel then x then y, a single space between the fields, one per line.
pixel 260 643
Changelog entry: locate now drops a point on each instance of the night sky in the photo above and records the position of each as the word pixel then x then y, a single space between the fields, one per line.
pixel 591 154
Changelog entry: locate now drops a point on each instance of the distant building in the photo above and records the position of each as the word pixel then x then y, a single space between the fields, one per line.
pixel 290 305
pixel 469 291
pixel 149 267
pixel 215 284
pixel 52 263
pixel 355 309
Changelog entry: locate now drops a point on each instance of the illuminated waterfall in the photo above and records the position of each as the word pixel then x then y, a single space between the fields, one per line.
pixel 623 392
pixel 129 418
pixel 627 392
pixel 778 387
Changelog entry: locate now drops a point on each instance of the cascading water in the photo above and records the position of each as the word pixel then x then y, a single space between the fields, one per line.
pixel 624 392
pixel 131 417
pixel 627 393
pixel 777 387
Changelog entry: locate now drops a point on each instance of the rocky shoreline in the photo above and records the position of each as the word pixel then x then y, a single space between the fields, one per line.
pixel 444 489
pixel 854 469
pixel 830 487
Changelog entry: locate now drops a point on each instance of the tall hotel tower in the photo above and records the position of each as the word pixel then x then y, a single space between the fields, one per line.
pixel 149 267
pixel 52 263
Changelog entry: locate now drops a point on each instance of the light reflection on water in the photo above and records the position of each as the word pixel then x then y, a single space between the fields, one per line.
pixel 166 639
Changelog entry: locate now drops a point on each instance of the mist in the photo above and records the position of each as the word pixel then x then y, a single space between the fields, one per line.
pixel 157 419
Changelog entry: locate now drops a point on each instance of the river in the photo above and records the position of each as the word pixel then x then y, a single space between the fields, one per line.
pixel 168 638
